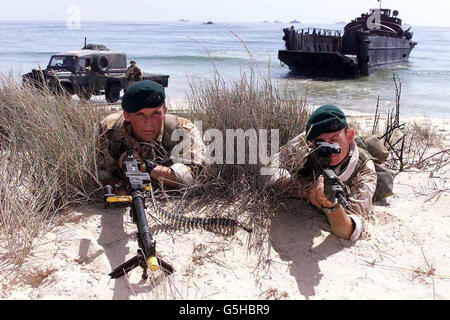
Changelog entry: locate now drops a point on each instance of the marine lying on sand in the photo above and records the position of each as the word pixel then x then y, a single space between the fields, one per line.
pixel 354 168
pixel 146 127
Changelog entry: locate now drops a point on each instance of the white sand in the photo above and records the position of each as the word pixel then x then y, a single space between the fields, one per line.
pixel 406 257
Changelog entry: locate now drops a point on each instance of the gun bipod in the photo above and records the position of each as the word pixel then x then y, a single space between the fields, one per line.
pixel 139 261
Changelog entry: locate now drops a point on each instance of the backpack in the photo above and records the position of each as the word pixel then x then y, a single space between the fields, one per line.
pixel 371 148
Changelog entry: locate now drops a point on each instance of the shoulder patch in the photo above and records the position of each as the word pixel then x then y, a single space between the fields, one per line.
pixel 109 122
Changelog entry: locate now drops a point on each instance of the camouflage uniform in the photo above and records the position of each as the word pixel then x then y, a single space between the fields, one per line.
pixel 359 176
pixel 133 74
pixel 115 136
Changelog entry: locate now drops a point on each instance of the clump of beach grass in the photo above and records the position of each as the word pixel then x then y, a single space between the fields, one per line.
pixel 413 146
pixel 254 102
pixel 47 147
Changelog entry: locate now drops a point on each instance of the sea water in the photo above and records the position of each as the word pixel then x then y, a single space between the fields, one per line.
pixel 187 50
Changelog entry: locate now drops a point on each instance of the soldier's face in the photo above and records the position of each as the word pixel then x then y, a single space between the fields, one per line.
pixel 344 138
pixel 146 123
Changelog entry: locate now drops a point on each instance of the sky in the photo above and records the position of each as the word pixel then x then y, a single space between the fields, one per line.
pixel 413 12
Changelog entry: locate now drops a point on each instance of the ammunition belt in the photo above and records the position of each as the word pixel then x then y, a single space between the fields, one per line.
pixel 224 225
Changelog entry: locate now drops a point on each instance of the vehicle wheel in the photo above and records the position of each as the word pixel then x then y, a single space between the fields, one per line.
pixel 101 64
pixel 113 93
pixel 84 94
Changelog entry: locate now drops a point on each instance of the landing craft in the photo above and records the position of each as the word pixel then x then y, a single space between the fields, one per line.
pixel 376 40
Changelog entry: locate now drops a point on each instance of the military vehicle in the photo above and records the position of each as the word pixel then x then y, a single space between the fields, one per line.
pixel 375 40
pixel 92 70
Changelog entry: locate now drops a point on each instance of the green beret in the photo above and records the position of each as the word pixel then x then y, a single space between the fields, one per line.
pixel 326 119
pixel 143 94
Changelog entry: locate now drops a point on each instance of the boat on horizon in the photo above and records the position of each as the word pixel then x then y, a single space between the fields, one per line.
pixel 373 41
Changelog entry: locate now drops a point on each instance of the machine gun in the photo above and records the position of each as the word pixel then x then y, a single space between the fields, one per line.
pixel 139 183
pixel 319 163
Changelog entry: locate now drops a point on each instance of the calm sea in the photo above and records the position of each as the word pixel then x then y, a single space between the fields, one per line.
pixel 182 49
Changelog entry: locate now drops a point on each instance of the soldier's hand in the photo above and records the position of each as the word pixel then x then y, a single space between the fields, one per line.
pixel 316 195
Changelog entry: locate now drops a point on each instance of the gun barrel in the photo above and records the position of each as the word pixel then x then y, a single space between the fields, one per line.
pixel 142 224
pixel 146 257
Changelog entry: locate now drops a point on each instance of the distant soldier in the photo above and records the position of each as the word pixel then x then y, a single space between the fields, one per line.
pixel 133 73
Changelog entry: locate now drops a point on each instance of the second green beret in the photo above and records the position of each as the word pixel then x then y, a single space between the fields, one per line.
pixel 143 94
pixel 325 119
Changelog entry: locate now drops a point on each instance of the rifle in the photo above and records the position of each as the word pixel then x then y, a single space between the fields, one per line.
pixel 318 162
pixel 139 183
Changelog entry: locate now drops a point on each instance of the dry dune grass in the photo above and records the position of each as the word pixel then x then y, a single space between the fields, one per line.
pixel 254 102
pixel 47 146
pixel 251 102
pixel 412 146
pixel 50 147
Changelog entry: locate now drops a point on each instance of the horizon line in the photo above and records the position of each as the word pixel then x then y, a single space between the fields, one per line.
pixel 196 21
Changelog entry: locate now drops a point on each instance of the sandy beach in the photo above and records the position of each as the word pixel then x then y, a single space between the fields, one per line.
pixel 232 69
pixel 404 256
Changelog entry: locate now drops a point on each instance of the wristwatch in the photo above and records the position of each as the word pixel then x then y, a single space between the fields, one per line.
pixel 327 211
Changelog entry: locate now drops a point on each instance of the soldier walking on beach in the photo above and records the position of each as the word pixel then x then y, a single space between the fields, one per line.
pixel 354 167
pixel 145 127
pixel 133 73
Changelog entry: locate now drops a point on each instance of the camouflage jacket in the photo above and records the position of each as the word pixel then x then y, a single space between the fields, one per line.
pixel 133 73
pixel 185 156
pixel 360 180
